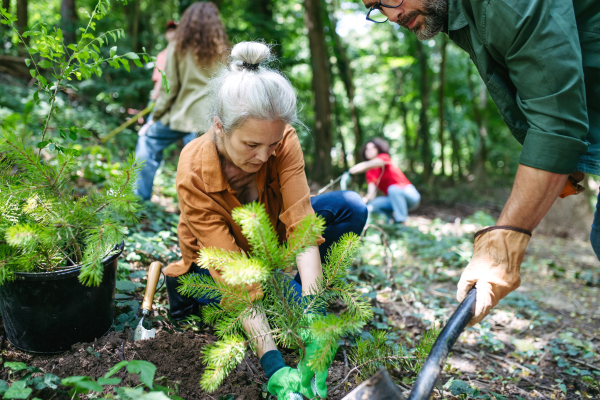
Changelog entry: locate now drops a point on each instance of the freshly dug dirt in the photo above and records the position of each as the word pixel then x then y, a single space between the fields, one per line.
pixel 175 355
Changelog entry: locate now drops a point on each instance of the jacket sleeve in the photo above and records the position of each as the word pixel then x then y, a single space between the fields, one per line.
pixel 164 101
pixel 542 53
pixel 210 229
pixel 292 180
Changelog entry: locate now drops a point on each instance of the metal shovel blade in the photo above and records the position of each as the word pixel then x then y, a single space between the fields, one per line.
pixel 378 387
pixel 142 333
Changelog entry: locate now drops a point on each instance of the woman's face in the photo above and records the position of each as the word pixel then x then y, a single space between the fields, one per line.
pixel 371 151
pixel 249 146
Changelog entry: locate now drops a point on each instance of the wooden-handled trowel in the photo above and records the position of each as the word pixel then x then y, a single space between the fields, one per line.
pixel 140 332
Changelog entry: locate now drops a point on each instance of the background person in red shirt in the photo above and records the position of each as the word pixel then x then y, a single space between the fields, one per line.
pixel 401 196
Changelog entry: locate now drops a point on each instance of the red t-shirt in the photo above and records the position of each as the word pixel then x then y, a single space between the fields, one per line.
pixel 391 175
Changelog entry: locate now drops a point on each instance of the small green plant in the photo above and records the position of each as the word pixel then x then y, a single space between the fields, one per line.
pixel 44 226
pixel 293 325
pixel 85 386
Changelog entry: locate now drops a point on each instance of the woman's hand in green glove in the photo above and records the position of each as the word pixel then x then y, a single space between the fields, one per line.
pixel 307 373
pixel 285 384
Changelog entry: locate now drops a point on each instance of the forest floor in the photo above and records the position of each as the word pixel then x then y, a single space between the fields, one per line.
pixel 542 341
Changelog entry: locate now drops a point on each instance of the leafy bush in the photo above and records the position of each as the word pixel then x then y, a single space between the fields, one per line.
pixel 43 224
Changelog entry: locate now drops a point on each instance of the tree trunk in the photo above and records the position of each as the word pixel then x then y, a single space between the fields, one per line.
pixel 423 121
pixel 22 17
pixel 347 77
pixel 441 102
pixel 135 27
pixel 480 156
pixel 68 20
pixel 320 83
pixel 456 156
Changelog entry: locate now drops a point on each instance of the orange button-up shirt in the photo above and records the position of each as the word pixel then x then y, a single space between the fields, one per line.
pixel 206 199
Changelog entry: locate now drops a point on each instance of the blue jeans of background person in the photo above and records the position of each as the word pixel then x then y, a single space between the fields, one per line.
pixel 595 235
pixel 398 202
pixel 343 212
pixel 150 150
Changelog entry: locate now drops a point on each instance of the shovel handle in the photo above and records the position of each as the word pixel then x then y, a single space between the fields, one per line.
pixel 153 277
pixel 425 383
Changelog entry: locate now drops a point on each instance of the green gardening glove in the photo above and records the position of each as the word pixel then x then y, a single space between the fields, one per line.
pixel 285 384
pixel 318 384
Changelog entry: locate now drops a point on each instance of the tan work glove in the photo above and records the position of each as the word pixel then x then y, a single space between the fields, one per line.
pixel 494 268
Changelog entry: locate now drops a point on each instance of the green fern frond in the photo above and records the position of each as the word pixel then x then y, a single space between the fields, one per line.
pixel 221 358
pixel 256 227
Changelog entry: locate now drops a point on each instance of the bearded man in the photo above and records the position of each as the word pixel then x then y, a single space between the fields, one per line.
pixel 540 60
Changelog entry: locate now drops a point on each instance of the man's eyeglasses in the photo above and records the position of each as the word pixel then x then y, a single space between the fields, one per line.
pixel 376 14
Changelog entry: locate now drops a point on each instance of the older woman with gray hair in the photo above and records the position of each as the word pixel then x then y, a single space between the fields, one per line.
pixel 252 154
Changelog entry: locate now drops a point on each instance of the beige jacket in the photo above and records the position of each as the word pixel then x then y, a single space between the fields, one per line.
pixel 187 105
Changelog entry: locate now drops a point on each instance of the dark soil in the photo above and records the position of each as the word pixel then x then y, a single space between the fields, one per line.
pixel 175 355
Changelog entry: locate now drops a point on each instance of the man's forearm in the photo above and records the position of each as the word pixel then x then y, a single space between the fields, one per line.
pixel 533 193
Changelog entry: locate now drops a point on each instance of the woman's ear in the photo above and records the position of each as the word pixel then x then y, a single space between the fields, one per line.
pixel 218 127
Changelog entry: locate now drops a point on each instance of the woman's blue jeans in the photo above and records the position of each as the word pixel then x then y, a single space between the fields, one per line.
pixel 398 202
pixel 343 212
pixel 150 150
pixel 595 235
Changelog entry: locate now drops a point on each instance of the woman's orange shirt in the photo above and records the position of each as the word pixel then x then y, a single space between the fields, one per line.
pixel 206 199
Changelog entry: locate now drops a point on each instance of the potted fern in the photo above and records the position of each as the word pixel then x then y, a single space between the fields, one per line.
pixel 58 252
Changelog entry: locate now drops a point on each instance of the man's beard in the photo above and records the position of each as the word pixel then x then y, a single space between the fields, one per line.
pixel 435 14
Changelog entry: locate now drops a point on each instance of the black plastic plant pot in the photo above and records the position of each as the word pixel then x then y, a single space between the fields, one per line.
pixel 48 312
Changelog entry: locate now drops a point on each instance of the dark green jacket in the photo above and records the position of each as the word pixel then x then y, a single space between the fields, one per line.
pixel 540 60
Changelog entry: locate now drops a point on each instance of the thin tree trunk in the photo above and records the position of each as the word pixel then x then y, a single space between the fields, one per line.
pixel 441 102
pixel 22 17
pixel 480 156
pixel 322 169
pixel 347 77
pixel 456 156
pixel 423 120
pixel 68 20
pixel 135 27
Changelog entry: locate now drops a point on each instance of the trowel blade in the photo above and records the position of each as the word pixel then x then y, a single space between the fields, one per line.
pixel 142 333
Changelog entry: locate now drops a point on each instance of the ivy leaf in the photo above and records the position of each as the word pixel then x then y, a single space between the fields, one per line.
pixel 18 390
pixel 27 61
pixel 125 64
pixel 3 387
pixel 138 63
pixel 72 135
pixel 132 56
pixel 43 144
pixel 15 366
pixel 113 51
pixel 32 72
pixel 84 133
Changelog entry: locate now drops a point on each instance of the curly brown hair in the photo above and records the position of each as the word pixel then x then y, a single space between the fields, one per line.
pixel 201 31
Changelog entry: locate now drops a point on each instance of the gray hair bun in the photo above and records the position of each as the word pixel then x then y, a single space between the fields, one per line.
pixel 249 88
pixel 249 55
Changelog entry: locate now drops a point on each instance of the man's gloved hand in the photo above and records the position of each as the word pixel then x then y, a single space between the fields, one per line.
pixel 317 384
pixel 285 384
pixel 494 268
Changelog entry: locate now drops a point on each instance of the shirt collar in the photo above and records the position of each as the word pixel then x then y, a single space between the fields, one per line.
pixel 456 19
pixel 212 175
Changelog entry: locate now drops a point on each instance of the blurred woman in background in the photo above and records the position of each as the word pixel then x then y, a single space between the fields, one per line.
pixel 179 113
pixel 401 196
